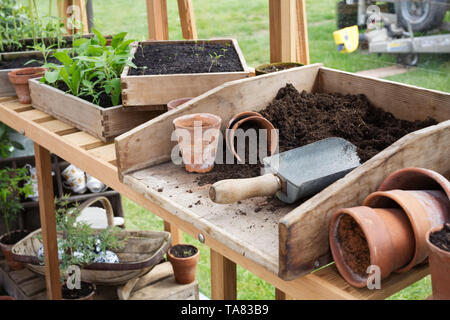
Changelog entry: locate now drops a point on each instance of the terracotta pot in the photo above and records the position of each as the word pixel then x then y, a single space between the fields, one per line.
pixel 177 102
pixel 198 137
pixel 439 268
pixel 184 268
pixel 277 66
pixel 362 236
pixel 6 249
pixel 253 120
pixel 90 296
pixel 415 179
pixel 19 79
pixel 425 209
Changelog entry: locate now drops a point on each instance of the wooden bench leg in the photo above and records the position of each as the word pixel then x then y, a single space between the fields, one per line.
pixel 48 221
pixel 177 234
pixel 223 277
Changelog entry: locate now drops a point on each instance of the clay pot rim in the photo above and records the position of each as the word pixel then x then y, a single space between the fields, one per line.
pixel 274 141
pixel 176 103
pixel 337 256
pixel 240 116
pixel 218 120
pixel 440 179
pixel 18 74
pixel 187 258
pixel 94 289
pixel 11 232
pixel 260 68
pixel 398 197
pixel 431 245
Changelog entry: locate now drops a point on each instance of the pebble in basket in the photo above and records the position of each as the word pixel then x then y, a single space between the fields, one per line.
pixel 138 251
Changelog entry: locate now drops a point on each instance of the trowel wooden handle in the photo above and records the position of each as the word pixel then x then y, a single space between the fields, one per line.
pixel 233 190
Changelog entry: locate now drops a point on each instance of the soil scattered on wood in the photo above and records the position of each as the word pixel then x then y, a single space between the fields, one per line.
pixel 183 251
pixel 304 118
pixel 200 57
pixel 84 291
pixel 441 239
pixel 355 250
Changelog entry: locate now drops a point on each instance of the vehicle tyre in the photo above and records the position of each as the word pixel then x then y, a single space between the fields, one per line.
pixel 423 15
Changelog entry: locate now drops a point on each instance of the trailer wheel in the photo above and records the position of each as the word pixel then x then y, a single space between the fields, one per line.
pixel 423 15
pixel 409 59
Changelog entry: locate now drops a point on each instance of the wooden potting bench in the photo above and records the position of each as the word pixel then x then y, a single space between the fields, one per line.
pixel 99 160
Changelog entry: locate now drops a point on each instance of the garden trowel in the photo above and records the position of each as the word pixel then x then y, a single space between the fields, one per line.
pixel 294 174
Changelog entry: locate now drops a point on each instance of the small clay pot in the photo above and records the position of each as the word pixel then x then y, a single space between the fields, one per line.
pixel 19 79
pixel 362 236
pixel 425 209
pixel 90 296
pixel 177 102
pixel 415 179
pixel 7 248
pixel 275 67
pixel 439 268
pixel 184 268
pixel 254 120
pixel 198 137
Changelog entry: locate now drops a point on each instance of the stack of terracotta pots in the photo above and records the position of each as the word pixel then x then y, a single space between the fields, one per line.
pixel 390 229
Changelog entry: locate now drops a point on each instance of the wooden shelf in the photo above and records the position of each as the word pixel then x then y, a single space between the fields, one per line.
pixel 98 160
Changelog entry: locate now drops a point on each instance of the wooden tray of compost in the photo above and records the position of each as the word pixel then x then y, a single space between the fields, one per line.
pixel 103 123
pixel 169 70
pixel 288 240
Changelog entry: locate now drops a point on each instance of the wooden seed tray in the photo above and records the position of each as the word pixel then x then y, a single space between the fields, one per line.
pixel 289 241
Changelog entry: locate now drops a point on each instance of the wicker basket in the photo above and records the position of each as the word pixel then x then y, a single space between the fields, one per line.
pixel 142 251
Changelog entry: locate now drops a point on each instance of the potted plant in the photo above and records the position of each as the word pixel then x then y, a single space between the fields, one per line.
pixel 80 245
pixel 13 186
pixel 184 259
pixel 166 70
pixel 275 67
pixel 85 87
pixel 438 241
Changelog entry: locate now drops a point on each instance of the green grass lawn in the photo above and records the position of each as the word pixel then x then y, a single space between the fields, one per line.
pixel 248 22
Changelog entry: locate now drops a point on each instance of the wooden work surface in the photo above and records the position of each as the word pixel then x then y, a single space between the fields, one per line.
pixel 98 159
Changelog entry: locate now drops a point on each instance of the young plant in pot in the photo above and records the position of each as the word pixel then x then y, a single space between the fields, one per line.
pixel 80 245
pixel 184 259
pixel 13 186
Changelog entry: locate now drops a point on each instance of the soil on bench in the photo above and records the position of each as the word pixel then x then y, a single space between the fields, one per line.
pixel 20 62
pixel 355 250
pixel 182 58
pixel 304 118
pixel 73 294
pixel 441 239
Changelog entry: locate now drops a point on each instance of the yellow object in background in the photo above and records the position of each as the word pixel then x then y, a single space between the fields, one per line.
pixel 347 39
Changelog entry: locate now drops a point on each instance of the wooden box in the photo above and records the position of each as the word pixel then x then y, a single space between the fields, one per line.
pixel 103 123
pixel 151 90
pixel 292 240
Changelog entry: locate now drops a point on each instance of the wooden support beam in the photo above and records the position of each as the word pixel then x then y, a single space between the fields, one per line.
pixel 302 30
pixel 158 26
pixel 73 9
pixel 283 30
pixel 48 221
pixel 223 277
pixel 177 234
pixel 279 295
pixel 187 19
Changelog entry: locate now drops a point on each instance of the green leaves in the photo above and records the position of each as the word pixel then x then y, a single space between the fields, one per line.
pixel 92 68
pixel 6 144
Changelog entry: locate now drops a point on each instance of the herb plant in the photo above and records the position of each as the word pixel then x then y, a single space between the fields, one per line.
pixel 92 68
pixel 79 243
pixel 12 187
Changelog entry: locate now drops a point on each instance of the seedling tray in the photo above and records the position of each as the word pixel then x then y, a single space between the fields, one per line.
pixel 289 240
pixel 103 123
pixel 153 90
